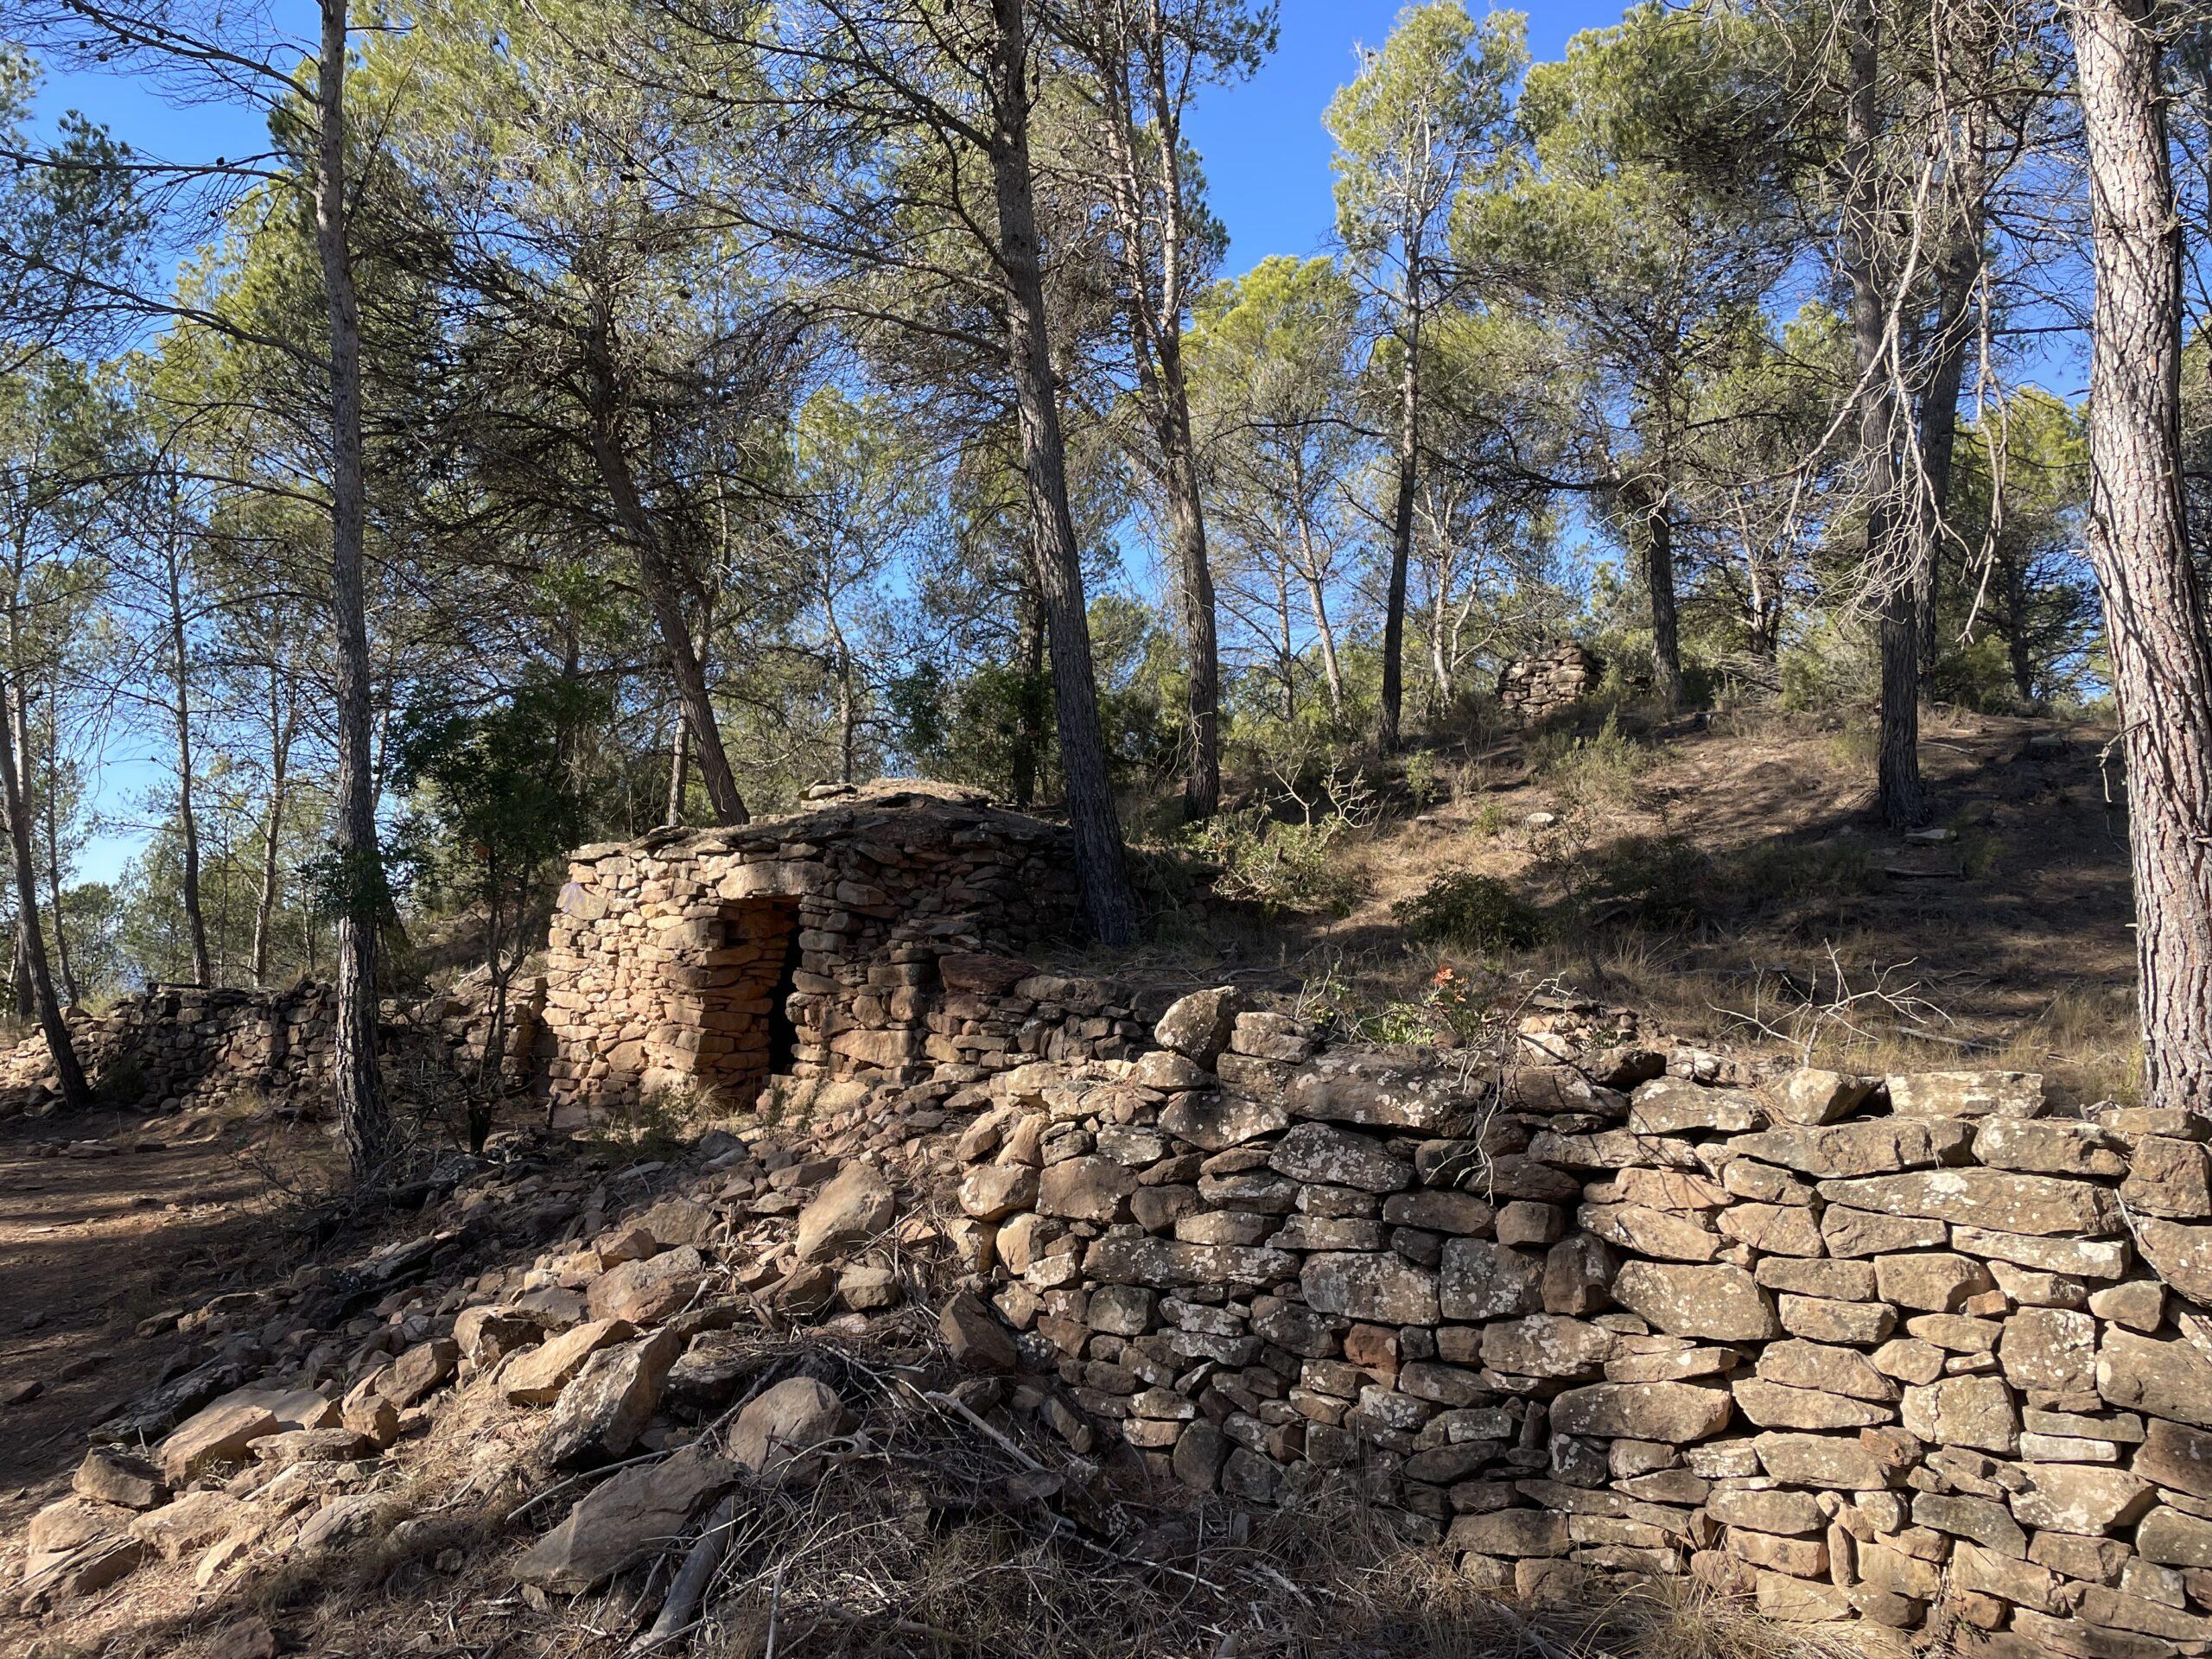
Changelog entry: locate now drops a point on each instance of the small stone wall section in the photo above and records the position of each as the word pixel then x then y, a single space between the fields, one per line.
pixel 1904 1352
pixel 1547 682
pixel 674 957
pixel 172 1046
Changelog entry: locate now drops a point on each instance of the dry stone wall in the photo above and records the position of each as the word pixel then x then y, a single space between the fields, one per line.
pixel 815 946
pixel 171 1046
pixel 1547 682
pixel 1906 1353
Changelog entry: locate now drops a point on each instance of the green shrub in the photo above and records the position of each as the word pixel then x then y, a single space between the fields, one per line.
pixel 1472 909
pixel 1426 782
pixel 1279 866
pixel 1593 773
pixel 1661 882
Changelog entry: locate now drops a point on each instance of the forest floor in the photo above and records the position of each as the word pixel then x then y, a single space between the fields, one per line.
pixel 101 1249
pixel 1729 880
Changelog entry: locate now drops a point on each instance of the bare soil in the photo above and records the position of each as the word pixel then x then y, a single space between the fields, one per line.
pixel 149 1217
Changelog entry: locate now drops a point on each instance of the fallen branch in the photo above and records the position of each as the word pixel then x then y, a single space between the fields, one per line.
pixel 678 1614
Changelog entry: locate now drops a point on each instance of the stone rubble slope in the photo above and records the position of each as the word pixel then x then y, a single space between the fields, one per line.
pixel 1904 1352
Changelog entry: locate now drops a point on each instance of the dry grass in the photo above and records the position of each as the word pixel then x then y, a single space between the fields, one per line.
pixel 1716 881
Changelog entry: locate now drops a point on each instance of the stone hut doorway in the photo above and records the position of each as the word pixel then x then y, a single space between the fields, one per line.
pixel 746 1002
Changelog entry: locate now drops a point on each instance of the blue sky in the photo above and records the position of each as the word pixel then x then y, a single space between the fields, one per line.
pixel 1266 157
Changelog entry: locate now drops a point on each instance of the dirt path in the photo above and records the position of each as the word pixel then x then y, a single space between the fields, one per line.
pixel 142 1220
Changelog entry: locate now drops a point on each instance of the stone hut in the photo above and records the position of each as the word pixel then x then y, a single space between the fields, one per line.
pixel 836 943
pixel 1543 683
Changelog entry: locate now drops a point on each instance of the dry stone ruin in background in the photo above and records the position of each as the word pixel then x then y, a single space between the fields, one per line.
pixel 1547 682
pixel 1912 1352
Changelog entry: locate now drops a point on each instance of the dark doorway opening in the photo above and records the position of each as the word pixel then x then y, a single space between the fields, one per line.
pixel 783 1034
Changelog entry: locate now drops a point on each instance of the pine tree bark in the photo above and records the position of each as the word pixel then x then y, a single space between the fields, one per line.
pixel 187 817
pixel 69 1071
pixel 1666 614
pixel 50 815
pixel 1903 801
pixel 679 765
pixel 1101 872
pixel 1131 46
pixel 1957 272
pixel 1029 716
pixel 2155 615
pixel 365 1122
pixel 1387 733
pixel 272 839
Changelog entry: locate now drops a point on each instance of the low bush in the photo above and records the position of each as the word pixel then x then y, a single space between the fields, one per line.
pixel 1468 908
pixel 1279 866
pixel 1661 882
pixel 1594 773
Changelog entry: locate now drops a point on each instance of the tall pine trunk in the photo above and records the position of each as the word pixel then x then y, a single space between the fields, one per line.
pixel 1101 872
pixel 1155 302
pixel 272 839
pixel 1029 713
pixel 679 766
pixel 1186 524
pixel 2155 614
pixel 50 813
pixel 69 1074
pixel 1903 802
pixel 364 1121
pixel 1956 274
pixel 1659 580
pixel 1387 733
pixel 188 815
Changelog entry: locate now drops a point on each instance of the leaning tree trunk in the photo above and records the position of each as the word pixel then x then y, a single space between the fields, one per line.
pixel 1903 802
pixel 2155 616
pixel 69 1074
pixel 50 815
pixel 1101 871
pixel 363 1119
pixel 664 596
pixel 1387 734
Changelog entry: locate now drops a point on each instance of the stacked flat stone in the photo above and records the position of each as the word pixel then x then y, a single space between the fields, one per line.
pixel 670 954
pixel 1866 1349
pixel 171 1046
pixel 1547 682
